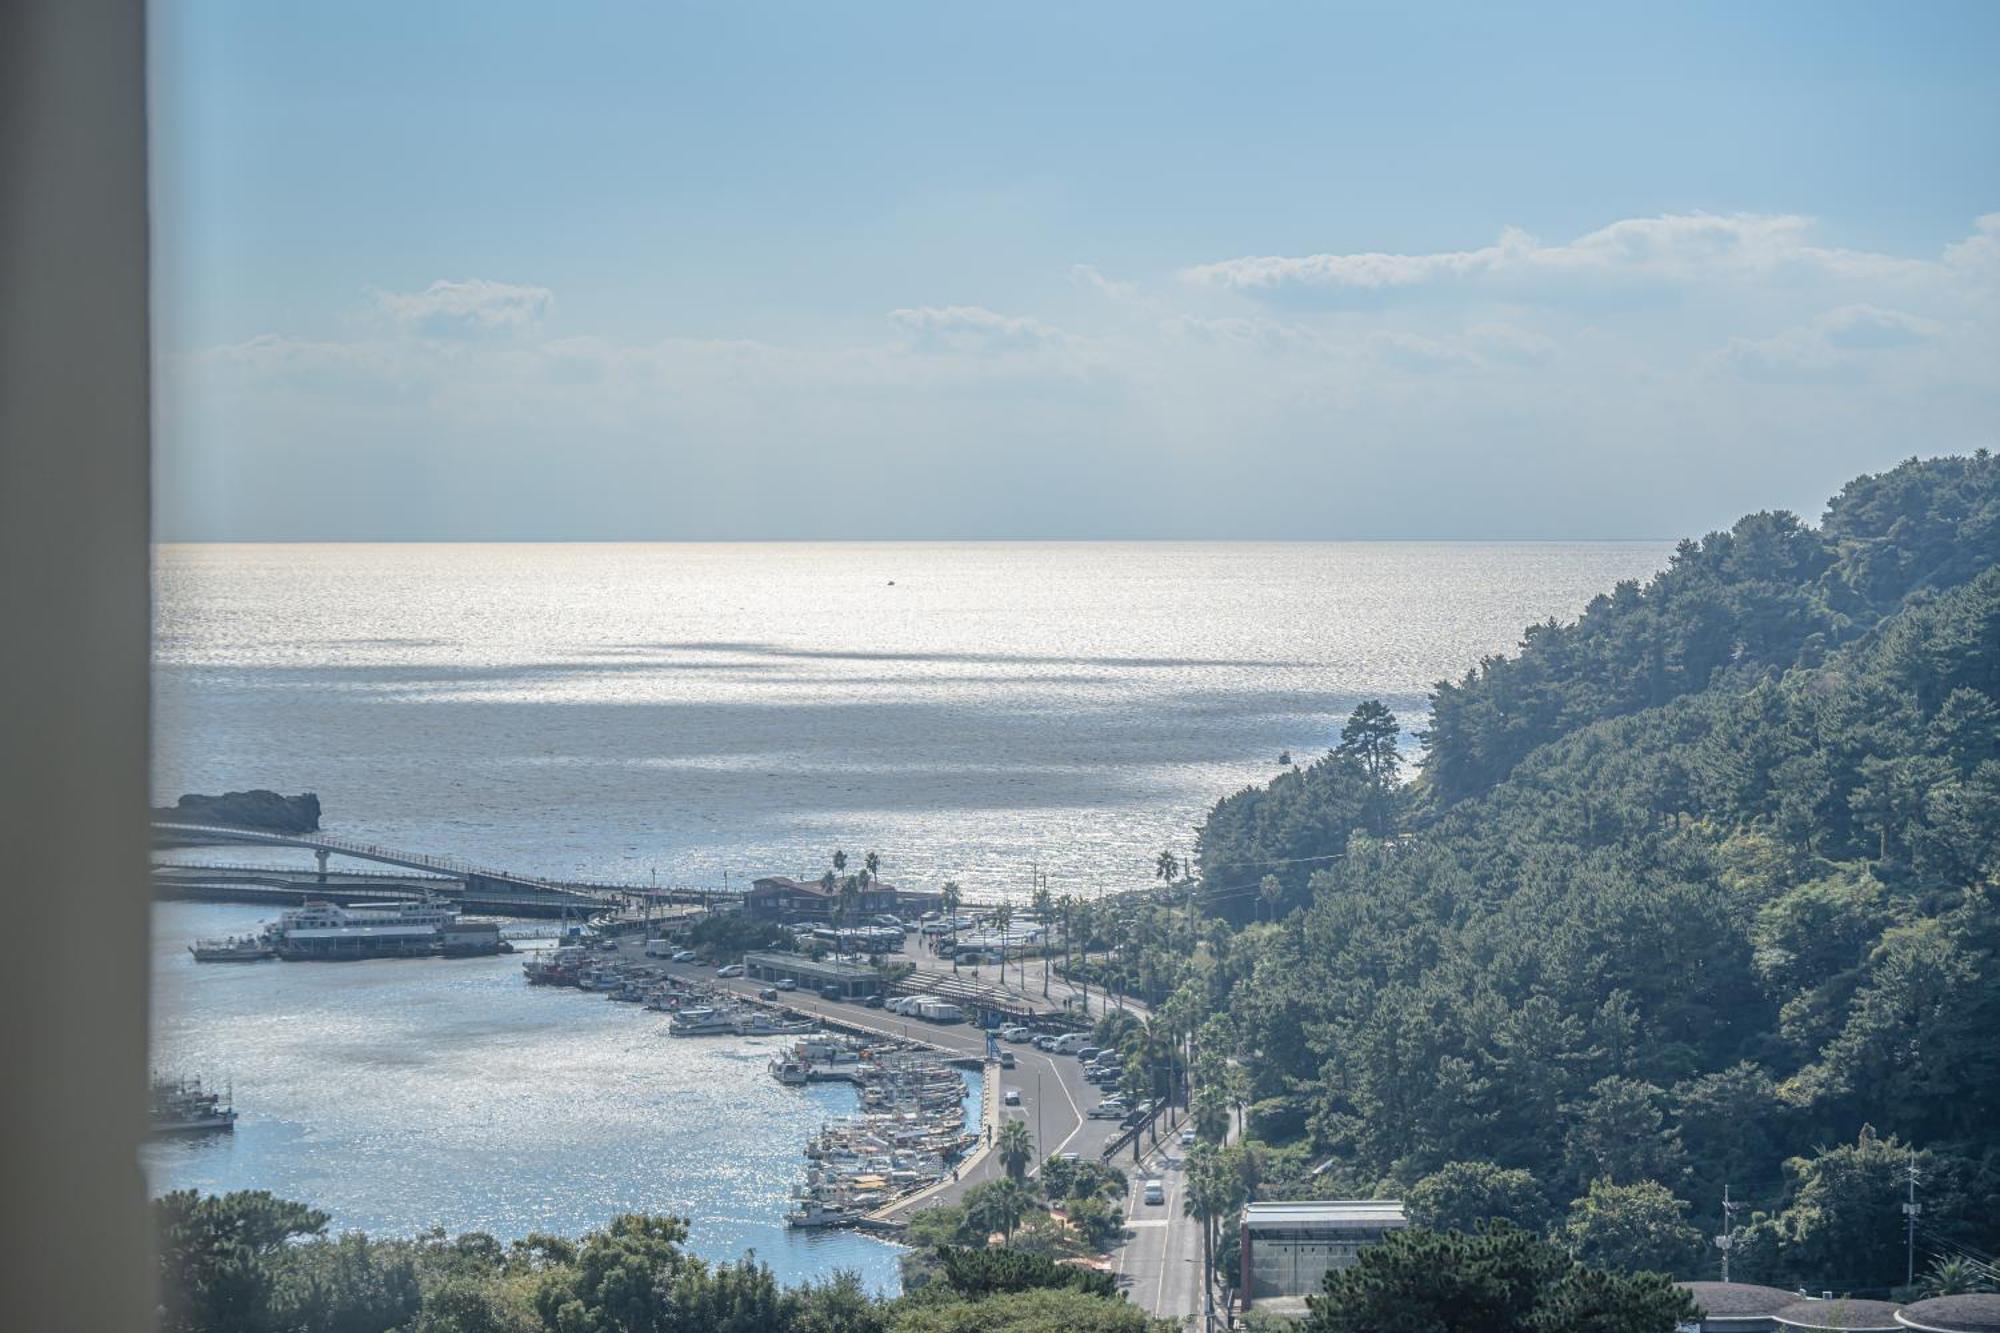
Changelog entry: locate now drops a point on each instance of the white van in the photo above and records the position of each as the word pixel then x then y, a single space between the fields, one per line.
pixel 1069 1043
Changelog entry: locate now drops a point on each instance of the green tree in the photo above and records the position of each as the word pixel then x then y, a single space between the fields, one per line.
pixel 1620 1132
pixel 214 1256
pixel 997 1205
pixel 1016 1149
pixel 1633 1227
pixel 1501 1281
pixel 1369 739
pixel 1464 1196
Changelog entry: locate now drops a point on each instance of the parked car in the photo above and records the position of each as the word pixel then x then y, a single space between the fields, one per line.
pixel 787 983
pixel 1187 1138
pixel 682 956
pixel 829 992
pixel 729 970
pixel 1108 1110
pixel 1045 1042
pixel 1156 1192
pixel 873 1002
pixel 1087 1054
pixel 1135 1117
pixel 768 993
pixel 1017 1032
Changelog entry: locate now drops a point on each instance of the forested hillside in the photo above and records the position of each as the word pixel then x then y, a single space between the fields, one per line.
pixel 1695 892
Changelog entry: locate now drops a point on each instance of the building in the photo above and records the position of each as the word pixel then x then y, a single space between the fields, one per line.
pixel 814 975
pixel 782 898
pixel 1737 1307
pixel 1839 1315
pixel 1977 1312
pixel 469 939
pixel 1289 1247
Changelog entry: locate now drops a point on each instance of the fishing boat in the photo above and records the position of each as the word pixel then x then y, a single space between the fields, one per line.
pixel 235 949
pixel 183 1106
pixel 815 1213
pixel 702 1022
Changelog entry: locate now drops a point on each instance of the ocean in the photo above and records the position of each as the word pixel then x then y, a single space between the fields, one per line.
pixel 701 715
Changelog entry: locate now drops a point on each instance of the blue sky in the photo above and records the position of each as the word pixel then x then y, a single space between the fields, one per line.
pixel 744 271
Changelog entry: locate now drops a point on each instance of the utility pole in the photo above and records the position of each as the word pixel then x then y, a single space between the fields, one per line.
pixel 1727 1240
pixel 1911 1209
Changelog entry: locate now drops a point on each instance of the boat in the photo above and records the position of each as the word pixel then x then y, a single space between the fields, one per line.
pixel 814 1213
pixel 702 1022
pixel 328 931
pixel 769 1025
pixel 183 1106
pixel 235 949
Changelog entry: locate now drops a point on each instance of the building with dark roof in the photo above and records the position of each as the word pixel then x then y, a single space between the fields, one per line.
pixel 780 897
pixel 1841 1315
pixel 1738 1307
pixel 815 974
pixel 1977 1312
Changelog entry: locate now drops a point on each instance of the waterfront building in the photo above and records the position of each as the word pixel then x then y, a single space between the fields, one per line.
pixel 1289 1247
pixel 815 975
pixel 782 898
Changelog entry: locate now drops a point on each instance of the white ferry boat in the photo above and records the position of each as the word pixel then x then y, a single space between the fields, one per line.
pixel 330 931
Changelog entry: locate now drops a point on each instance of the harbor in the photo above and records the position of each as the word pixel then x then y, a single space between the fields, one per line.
pixel 910 1131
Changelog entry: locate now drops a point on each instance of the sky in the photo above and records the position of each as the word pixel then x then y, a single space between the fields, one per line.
pixel 507 271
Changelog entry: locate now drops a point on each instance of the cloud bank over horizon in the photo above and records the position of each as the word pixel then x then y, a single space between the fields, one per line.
pixel 1648 377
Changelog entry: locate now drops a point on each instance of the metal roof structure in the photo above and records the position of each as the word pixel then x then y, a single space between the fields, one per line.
pixel 1334 1214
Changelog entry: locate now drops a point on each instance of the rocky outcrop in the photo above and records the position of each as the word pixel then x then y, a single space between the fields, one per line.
pixel 263 810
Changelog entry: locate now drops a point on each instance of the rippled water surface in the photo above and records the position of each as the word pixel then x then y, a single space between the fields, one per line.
pixel 615 712
pixel 691 712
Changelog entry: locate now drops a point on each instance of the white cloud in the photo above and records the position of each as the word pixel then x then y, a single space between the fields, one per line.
pixel 1504 379
pixel 971 328
pixel 1675 249
pixel 474 308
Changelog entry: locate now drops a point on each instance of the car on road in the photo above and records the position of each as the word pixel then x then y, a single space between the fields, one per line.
pixel 1156 1192
pixel 1006 1059
pixel 729 970
pixel 1187 1138
pixel 1012 1097
pixel 786 983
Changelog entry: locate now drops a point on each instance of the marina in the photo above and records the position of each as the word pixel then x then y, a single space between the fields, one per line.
pixel 911 1127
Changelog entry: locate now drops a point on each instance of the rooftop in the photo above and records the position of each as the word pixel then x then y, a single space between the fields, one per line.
pixel 1326 1213
pixel 1973 1313
pixel 1841 1316
pixel 827 967
pixel 1738 1300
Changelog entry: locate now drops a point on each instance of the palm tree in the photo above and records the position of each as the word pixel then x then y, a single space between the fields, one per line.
pixel 1016 1149
pixel 998 1205
pixel 1003 916
pixel 1953 1276
pixel 1269 890
pixel 850 893
pixel 1166 867
pixel 950 896
pixel 1214 1189
pixel 1043 906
